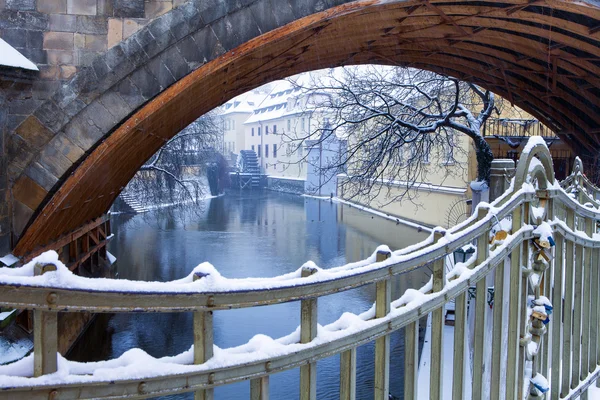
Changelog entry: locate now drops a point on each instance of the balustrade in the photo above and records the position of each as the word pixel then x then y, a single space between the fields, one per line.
pixel 545 317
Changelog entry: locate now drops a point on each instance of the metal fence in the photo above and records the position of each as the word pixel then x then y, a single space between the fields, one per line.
pixel 535 243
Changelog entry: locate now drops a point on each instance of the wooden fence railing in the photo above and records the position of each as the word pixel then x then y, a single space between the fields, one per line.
pixel 548 260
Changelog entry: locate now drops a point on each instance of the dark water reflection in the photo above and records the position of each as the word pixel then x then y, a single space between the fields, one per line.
pixel 258 234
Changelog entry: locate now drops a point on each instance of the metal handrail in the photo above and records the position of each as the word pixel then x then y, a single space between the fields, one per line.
pixel 389 316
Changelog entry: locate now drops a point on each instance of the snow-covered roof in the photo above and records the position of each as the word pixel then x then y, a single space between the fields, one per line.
pixel 10 57
pixel 275 104
pixel 244 103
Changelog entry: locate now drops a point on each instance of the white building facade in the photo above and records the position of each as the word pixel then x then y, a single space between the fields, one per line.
pixel 278 129
pixel 233 115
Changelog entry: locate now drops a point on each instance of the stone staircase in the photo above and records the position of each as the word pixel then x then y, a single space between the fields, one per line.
pixel 129 204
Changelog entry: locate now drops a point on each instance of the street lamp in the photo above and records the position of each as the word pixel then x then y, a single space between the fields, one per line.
pixel 463 254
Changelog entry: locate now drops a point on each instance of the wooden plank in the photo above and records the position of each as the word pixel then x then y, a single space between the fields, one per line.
pixel 84 257
pixel 382 345
pixel 67 238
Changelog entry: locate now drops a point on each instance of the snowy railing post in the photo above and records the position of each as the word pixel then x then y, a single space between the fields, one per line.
pixel 383 302
pixel 568 308
pixel 588 305
pixel 502 170
pixel 203 342
pixel 585 311
pixel 460 346
pixel 524 336
pixel 577 310
pixel 259 388
pixel 480 311
pixel 348 374
pixel 557 320
pixel 411 360
pixel 45 331
pixel 436 390
pixel 308 331
pixel 514 311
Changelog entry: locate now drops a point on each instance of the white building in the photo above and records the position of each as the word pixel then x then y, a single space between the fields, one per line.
pixel 233 115
pixel 281 117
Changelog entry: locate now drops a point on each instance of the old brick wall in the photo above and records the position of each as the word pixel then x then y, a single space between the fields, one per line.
pixel 60 37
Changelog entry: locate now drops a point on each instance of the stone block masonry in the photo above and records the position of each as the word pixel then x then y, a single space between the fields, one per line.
pixel 61 37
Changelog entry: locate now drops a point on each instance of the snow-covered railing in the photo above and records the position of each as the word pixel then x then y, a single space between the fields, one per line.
pixel 580 186
pixel 524 250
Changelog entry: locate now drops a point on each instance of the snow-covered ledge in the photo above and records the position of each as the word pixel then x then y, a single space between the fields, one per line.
pixel 10 57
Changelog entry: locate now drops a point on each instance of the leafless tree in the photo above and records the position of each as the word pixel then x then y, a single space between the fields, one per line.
pixel 176 173
pixel 395 120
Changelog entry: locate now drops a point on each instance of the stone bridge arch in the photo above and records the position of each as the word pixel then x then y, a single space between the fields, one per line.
pixel 85 143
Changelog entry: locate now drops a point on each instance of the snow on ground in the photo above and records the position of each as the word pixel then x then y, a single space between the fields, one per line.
pixel 593 393
pixel 448 361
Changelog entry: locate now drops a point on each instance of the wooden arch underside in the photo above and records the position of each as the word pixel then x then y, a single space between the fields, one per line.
pixel 541 55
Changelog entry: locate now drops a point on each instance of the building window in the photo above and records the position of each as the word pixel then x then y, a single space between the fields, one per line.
pixel 259 131
pixel 302 122
pixel 274 129
pixel 252 147
pixel 267 130
pixel 252 131
pixel 289 125
pixel 274 150
pixel 259 145
pixel 233 124
pixel 300 151
pixel 266 151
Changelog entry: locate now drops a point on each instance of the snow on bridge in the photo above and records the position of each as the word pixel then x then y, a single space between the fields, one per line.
pixel 544 331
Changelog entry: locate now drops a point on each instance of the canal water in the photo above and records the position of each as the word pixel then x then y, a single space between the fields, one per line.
pixel 250 235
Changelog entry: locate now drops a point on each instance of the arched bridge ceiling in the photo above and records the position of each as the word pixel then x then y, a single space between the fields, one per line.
pixel 542 55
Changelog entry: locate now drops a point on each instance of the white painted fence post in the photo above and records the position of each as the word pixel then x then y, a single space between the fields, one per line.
pixel 45 332
pixel 203 343
pixel 382 345
pixel 479 367
pixel 308 331
pixel 259 388
pixel 436 390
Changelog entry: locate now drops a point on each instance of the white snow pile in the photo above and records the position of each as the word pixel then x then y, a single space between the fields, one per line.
pixel 532 142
